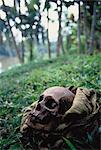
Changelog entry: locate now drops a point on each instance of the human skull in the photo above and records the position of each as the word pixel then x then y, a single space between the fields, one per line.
pixel 50 108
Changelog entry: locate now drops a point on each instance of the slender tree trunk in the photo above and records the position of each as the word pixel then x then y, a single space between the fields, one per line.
pixel 85 27
pixel 79 29
pixel 23 49
pixel 31 37
pixel 37 36
pixel 59 41
pixel 22 42
pixel 59 31
pixel 31 47
pixel 15 6
pixel 49 50
pixel 91 47
pixel 61 37
pixel 43 38
pixel 62 46
pixel 1 38
pixel 37 32
pixel 10 28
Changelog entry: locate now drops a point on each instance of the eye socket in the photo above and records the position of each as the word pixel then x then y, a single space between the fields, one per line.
pixel 50 103
pixel 40 98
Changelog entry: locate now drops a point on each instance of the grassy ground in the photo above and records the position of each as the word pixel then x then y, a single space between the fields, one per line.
pixel 21 86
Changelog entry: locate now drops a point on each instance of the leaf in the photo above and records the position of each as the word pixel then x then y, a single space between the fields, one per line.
pixel 70 145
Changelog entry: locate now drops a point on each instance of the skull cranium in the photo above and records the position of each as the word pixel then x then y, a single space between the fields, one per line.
pixel 51 106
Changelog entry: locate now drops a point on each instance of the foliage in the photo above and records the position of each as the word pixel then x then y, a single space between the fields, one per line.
pixel 21 86
pixel 72 147
pixel 30 26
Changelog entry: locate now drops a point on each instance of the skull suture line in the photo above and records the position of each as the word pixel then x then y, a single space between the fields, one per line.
pixel 50 108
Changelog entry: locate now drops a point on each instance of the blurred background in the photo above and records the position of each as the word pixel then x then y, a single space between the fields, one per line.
pixel 44 29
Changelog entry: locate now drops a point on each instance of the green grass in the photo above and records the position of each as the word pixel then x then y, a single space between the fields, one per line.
pixel 21 86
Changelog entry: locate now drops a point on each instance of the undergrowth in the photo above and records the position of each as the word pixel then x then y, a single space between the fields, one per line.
pixel 21 86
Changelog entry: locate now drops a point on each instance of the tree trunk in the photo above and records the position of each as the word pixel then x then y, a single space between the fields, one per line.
pixel 58 44
pixel 22 42
pixel 37 36
pixel 62 46
pixel 1 38
pixel 43 38
pixel 59 41
pixel 85 26
pixel 31 36
pixel 23 49
pixel 91 47
pixel 10 28
pixel 49 50
pixel 15 5
pixel 79 30
pixel 59 31
pixel 31 47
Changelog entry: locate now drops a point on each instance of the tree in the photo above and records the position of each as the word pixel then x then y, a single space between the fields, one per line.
pixel 22 34
pixel 33 19
pixel 79 29
pixel 10 29
pixel 90 26
pixel 49 49
pixel 59 41
pixel 31 13
pixel 85 25
pixel 2 26
pixel 91 48
pixel 47 7
pixel 1 38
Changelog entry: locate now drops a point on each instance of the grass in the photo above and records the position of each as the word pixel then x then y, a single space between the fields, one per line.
pixel 21 86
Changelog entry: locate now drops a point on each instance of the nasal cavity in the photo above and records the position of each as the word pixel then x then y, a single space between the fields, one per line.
pixel 38 107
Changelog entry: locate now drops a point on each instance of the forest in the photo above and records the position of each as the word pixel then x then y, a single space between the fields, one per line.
pixel 33 21
pixel 47 43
